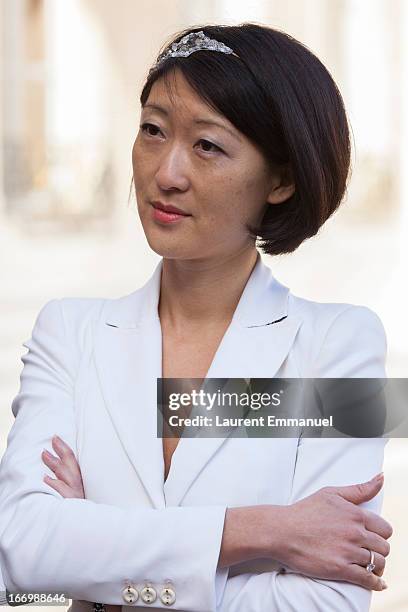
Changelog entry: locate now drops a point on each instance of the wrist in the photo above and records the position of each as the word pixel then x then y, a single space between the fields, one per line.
pixel 241 535
pixel 254 532
pixel 274 532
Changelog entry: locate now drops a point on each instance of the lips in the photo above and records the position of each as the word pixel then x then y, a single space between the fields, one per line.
pixel 169 208
pixel 167 214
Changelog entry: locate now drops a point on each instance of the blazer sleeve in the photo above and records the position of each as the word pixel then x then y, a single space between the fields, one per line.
pixel 84 549
pixel 354 346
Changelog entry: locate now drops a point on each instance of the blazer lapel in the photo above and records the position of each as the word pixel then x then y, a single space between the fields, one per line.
pixel 254 346
pixel 128 360
pixel 128 355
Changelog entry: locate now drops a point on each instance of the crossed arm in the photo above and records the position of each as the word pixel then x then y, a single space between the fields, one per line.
pixel 51 541
pixel 305 544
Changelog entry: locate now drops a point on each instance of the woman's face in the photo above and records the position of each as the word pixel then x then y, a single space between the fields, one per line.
pixel 188 156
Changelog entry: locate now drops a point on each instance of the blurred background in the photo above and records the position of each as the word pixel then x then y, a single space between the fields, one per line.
pixel 71 74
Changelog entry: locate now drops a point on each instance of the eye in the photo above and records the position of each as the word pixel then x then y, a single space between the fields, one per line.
pixel 146 126
pixel 210 144
pixel 209 147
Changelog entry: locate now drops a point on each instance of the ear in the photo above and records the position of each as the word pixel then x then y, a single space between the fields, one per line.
pixel 283 186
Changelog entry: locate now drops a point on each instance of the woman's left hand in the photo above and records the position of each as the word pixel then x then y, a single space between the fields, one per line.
pixel 68 481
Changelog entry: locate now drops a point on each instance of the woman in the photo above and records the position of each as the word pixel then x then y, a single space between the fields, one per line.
pixel 230 149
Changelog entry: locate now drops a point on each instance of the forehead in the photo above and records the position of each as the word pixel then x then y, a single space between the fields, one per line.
pixel 174 93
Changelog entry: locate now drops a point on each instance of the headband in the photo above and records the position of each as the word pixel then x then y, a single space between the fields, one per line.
pixel 190 43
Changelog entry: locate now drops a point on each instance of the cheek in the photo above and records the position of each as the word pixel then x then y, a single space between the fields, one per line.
pixel 223 215
pixel 234 200
pixel 252 197
pixel 140 165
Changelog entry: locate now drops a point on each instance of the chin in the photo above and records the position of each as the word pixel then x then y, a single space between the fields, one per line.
pixel 168 242
pixel 170 249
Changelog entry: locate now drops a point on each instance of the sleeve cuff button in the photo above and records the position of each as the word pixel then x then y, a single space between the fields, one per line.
pixel 130 595
pixel 168 596
pixel 148 594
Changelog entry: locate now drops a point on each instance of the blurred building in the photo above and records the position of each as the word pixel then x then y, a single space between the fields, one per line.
pixel 71 72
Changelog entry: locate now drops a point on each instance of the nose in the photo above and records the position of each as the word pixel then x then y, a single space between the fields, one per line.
pixel 172 172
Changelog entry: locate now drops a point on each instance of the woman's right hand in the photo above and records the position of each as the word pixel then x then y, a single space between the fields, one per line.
pixel 68 481
pixel 327 535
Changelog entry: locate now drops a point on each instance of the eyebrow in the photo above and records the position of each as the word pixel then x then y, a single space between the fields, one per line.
pixel 163 111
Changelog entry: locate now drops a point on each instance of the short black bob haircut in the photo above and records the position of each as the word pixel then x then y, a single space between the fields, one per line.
pixel 281 96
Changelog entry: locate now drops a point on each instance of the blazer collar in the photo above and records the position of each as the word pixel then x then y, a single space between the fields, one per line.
pixel 263 301
pixel 128 358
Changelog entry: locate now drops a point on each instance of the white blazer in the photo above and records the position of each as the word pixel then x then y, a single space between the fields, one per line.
pixel 90 376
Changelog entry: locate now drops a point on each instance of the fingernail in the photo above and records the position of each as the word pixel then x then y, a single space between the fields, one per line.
pixel 384 584
pixel 46 452
pixel 378 477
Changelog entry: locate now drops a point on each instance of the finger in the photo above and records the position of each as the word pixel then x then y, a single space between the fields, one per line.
pixel 69 459
pixel 58 485
pixel 65 452
pixel 50 460
pixel 60 469
pixel 363 558
pixel 360 492
pixel 374 542
pixel 67 456
pixel 376 524
pixel 359 575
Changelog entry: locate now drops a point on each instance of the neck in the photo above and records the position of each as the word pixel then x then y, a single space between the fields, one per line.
pixel 199 293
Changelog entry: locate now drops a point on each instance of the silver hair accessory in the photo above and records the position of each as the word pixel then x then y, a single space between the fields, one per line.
pixel 190 43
